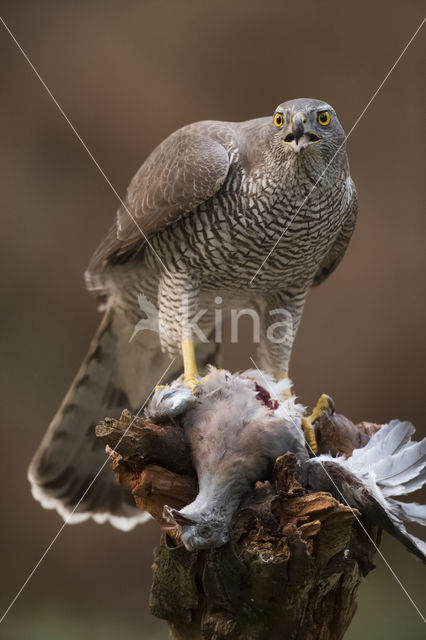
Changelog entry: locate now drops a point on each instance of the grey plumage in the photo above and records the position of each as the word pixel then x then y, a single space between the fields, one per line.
pixel 70 456
pixel 169 402
pixel 234 440
pixel 211 200
pixel 114 375
pixel 389 465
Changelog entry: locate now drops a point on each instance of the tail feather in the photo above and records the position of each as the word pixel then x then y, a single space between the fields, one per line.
pixel 70 471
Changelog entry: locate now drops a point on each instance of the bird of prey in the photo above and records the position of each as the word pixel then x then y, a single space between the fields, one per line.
pixel 255 212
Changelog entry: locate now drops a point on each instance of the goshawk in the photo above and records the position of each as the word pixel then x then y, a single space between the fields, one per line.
pixel 204 211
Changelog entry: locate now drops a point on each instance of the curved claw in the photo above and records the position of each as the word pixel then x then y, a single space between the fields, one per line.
pixel 309 431
pixel 324 403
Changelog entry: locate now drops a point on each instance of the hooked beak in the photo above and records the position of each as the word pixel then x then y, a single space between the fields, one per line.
pixel 298 128
pixel 298 137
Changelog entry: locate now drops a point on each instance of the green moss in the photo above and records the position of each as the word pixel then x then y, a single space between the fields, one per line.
pixel 174 595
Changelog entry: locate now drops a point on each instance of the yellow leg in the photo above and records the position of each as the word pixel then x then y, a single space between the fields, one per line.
pixel 309 431
pixel 324 402
pixel 190 372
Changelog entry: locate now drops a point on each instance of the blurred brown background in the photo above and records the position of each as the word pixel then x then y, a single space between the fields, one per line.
pixel 127 74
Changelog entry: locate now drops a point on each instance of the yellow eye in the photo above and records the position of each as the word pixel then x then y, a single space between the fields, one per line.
pixel 278 120
pixel 324 118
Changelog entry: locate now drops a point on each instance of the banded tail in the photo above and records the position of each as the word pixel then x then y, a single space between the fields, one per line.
pixel 68 472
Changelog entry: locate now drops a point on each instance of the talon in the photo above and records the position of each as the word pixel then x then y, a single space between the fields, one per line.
pixel 324 403
pixel 159 387
pixel 331 405
pixel 309 431
pixel 192 383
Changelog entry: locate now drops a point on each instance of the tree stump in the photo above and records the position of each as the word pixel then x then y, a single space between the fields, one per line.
pixel 295 559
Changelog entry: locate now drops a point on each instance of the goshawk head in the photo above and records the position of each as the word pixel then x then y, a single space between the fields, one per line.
pixel 308 126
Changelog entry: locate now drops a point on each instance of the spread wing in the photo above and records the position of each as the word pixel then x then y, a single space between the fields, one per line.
pixel 185 170
pixel 334 477
pixel 390 464
pixel 338 250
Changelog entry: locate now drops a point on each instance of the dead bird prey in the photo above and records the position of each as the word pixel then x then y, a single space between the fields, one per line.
pixel 235 438
pixel 236 433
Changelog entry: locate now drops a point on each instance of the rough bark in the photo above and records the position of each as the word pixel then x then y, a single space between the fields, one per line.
pixel 295 559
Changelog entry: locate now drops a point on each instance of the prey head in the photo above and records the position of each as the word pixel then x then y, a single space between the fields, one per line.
pixel 306 124
pixel 198 531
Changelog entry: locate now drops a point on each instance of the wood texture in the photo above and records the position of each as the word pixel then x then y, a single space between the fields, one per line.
pixel 295 559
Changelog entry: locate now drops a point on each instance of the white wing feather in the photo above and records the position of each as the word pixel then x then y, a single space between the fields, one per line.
pixel 390 439
pixel 389 465
pixel 402 466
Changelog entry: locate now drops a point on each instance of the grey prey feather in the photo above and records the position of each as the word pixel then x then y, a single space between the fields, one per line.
pixel 234 441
